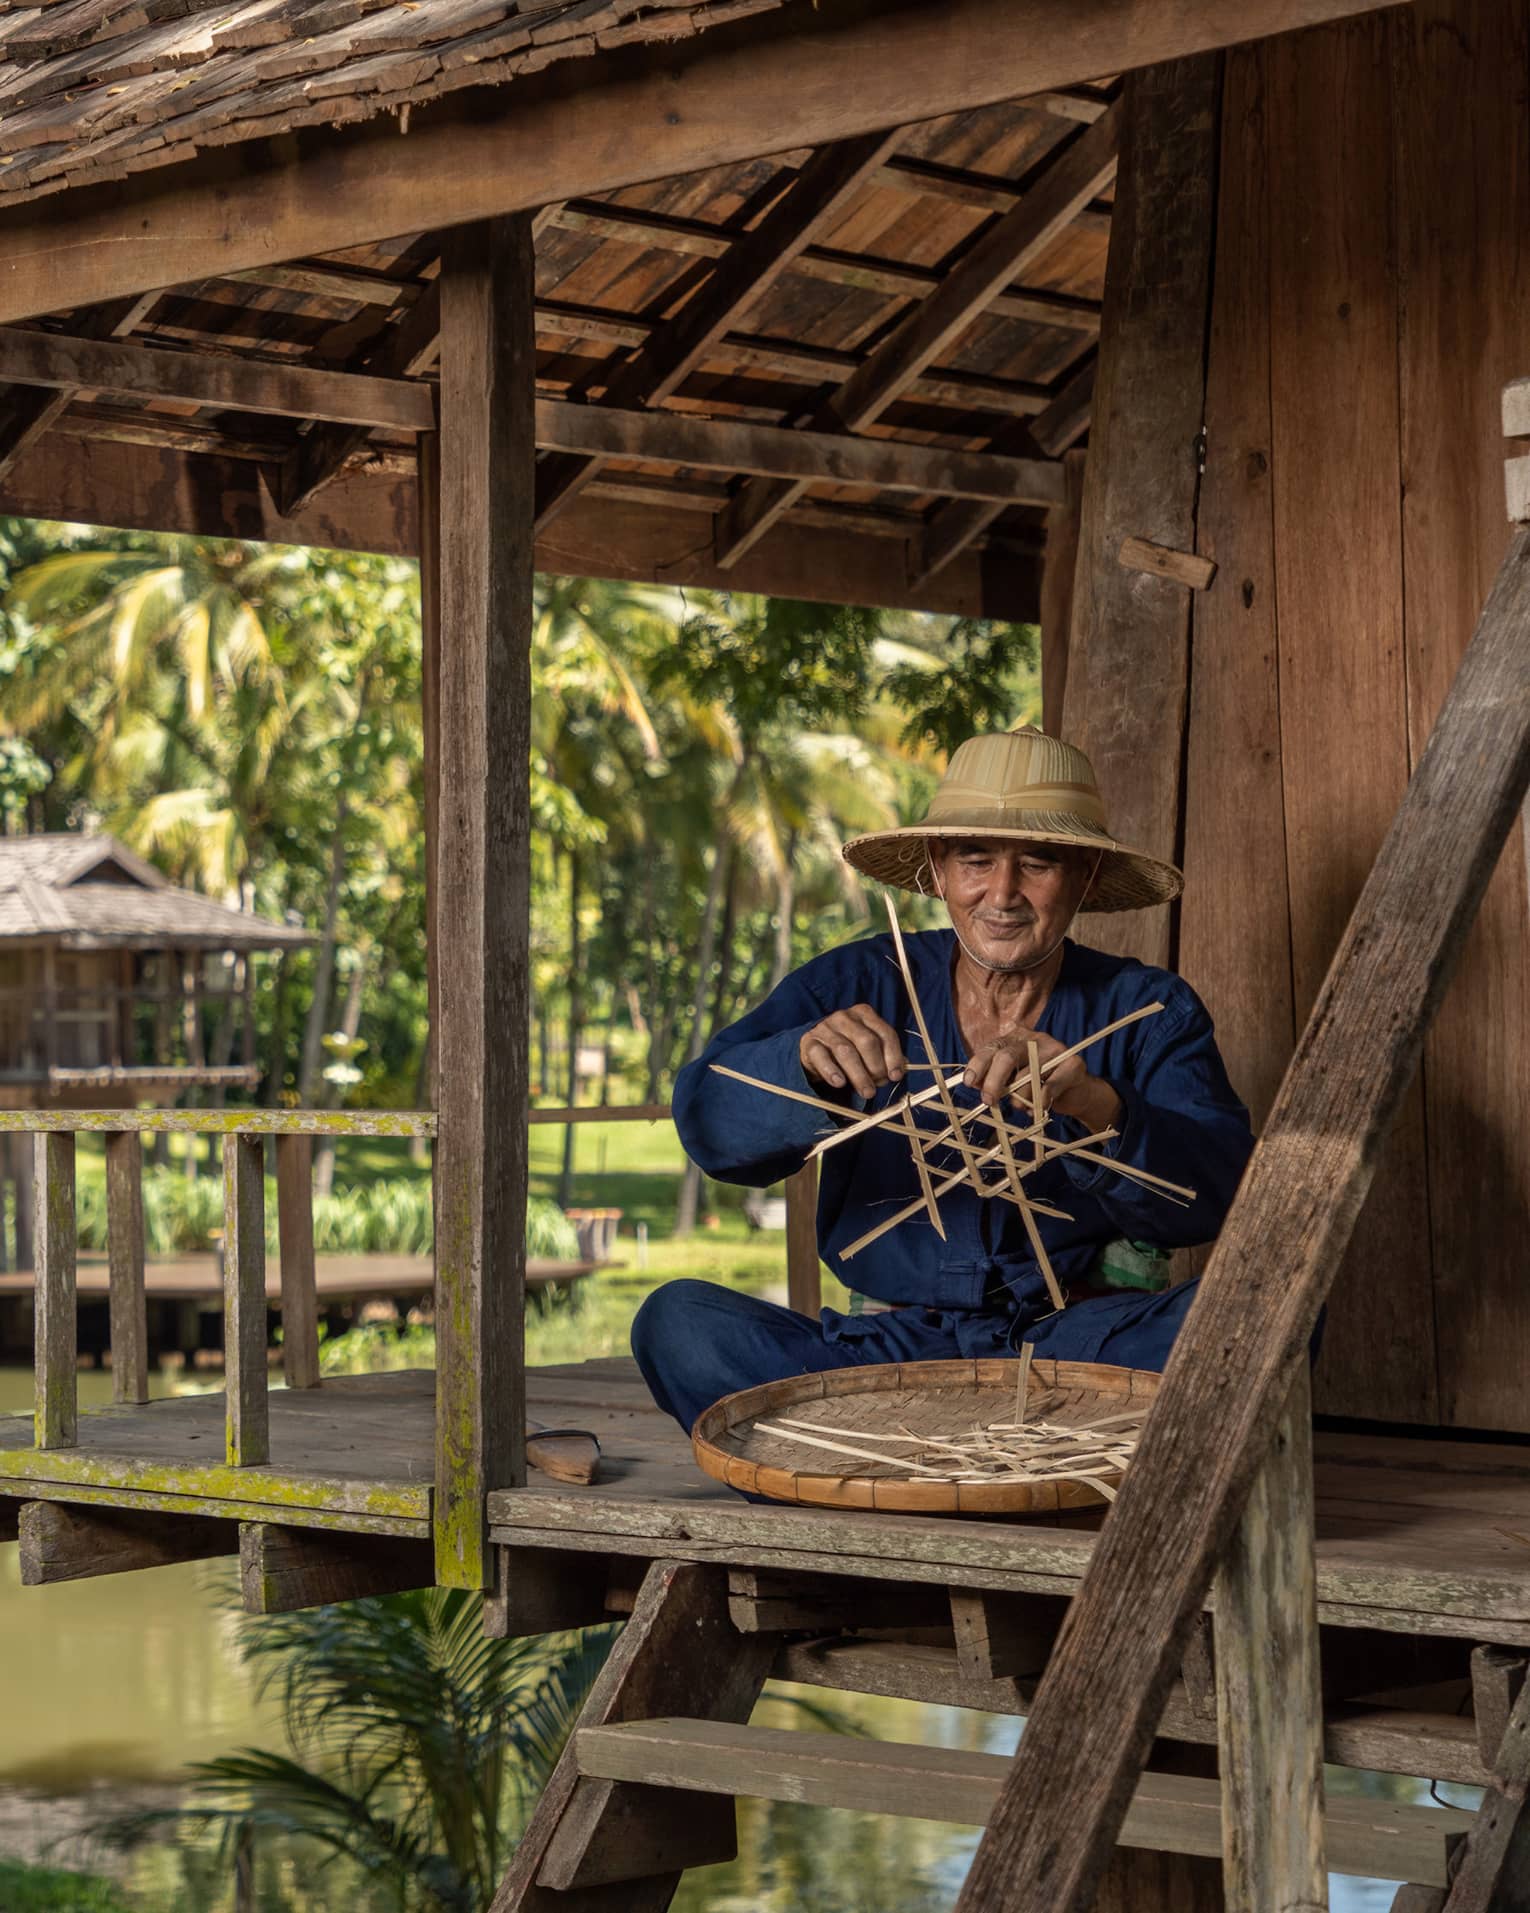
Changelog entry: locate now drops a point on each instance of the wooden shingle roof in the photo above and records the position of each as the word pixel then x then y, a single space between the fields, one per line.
pixel 90 892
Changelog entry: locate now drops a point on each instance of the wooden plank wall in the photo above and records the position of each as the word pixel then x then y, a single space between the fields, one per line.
pixel 1371 295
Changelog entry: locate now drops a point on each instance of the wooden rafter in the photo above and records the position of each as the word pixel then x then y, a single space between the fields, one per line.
pixel 404 350
pixel 820 192
pixel 29 411
pixel 998 254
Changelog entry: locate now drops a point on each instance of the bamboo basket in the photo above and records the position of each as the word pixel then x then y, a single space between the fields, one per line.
pixel 870 1408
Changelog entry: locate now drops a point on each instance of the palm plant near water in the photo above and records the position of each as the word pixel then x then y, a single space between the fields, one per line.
pixel 418 1744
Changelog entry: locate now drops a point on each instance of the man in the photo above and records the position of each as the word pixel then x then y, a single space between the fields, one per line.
pixel 1015 843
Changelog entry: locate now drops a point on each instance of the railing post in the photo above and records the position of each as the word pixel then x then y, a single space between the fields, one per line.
pixel 1269 1694
pixel 55 1352
pixel 300 1299
pixel 248 1419
pixel 804 1274
pixel 129 1330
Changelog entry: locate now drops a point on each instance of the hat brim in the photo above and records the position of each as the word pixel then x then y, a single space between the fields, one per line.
pixel 1126 879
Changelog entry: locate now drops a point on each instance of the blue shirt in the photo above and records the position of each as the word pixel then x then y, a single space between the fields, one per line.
pixel 1180 1120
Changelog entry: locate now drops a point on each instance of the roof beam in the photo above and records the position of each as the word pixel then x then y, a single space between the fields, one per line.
pixel 597 432
pixel 73 364
pixel 30 411
pixel 754 262
pixel 776 81
pixel 1007 246
pixel 405 348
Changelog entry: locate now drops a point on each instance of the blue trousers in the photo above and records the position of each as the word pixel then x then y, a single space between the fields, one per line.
pixel 697 1341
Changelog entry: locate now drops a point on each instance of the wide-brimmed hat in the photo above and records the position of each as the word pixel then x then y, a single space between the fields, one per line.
pixel 1021 784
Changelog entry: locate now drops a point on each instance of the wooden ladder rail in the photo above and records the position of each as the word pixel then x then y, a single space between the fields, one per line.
pixel 1244 1340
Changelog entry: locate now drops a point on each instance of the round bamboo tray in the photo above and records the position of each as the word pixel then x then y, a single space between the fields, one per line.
pixel 925 1398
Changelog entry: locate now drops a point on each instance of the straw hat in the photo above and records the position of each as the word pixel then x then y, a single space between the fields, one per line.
pixel 1021 784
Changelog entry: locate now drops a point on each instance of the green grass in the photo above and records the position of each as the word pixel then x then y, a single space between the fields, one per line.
pixel 25 1889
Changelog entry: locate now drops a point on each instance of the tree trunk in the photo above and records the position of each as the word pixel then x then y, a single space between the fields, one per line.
pixel 324 969
pixel 350 1022
pixel 786 905
pixel 690 1182
pixel 575 1028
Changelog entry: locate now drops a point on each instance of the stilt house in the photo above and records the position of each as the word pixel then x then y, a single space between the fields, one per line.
pixel 1185 329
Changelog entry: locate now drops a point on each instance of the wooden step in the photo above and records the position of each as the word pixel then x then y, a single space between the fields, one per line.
pixel 1172 1813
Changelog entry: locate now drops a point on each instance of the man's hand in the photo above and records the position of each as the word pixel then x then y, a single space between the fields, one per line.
pixel 1069 1089
pixel 853 1046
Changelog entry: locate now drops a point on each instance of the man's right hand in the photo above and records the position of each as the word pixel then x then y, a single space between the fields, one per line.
pixel 853 1046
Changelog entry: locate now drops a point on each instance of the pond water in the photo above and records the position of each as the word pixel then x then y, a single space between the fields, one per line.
pixel 112 1686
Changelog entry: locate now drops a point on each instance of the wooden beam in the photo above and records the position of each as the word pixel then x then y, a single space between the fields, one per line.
pixel 804 1271
pixel 820 192
pixel 488 369
pixel 1269 1698
pixel 1003 1637
pixel 1066 417
pixel 1128 653
pixel 57 1413
pixel 71 363
pixel 995 257
pixel 595 432
pixel 1170 1812
pixel 1498 1674
pixel 678 1649
pixel 543 1591
pixel 833 556
pixel 60 1543
pixel 29 412
pixel 128 1306
pixel 1059 569
pixel 248 1408
pixel 283 1569
pixel 403 352
pixel 1247 1335
pixel 774 82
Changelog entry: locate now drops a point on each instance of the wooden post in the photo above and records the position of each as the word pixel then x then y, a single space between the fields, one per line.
pixel 294 1223
pixel 1058 567
pixel 1494 1871
pixel 428 488
pixel 1128 658
pixel 248 1431
pixel 482 907
pixel 1247 1334
pixel 1269 1687
pixel 804 1274
pixel 56 1420
pixel 124 1244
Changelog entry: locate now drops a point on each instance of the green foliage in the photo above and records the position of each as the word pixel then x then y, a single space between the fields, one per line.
pixel 417 1744
pixel 983 679
pixel 28 1889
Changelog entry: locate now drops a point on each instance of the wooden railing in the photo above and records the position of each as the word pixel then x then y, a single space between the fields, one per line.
pixel 244 1132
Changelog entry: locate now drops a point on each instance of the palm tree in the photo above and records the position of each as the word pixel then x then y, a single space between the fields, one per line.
pixel 418 1743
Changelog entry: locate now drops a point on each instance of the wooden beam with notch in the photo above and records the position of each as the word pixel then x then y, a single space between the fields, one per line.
pixel 822 190
pixel 995 257
pixel 30 411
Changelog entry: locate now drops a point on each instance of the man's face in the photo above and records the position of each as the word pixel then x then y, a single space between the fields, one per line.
pixel 1010 902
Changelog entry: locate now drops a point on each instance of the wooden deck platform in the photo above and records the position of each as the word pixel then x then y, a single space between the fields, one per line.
pixel 337 1278
pixel 1414 1536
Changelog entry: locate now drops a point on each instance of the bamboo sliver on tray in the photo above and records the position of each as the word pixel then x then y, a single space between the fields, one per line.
pixel 996 1436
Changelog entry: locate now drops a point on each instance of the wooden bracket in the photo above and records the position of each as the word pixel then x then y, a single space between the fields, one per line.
pixel 1516 471
pixel 63 1543
pixel 283 1569
pixel 767 1601
pixel 1498 1674
pixel 1183 567
pixel 1004 1636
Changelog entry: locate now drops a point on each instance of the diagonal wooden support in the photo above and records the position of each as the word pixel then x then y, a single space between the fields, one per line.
pixel 599 1846
pixel 1246 1336
pixel 1493 1875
